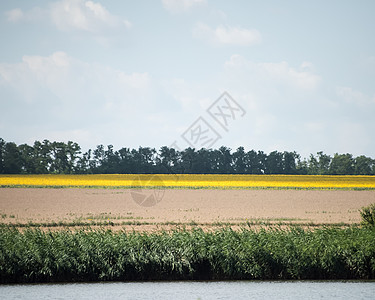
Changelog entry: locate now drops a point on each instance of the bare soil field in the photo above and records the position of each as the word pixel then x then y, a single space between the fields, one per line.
pixel 126 208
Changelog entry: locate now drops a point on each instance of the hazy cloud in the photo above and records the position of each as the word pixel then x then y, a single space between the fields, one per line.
pixel 14 15
pixel 69 15
pixel 227 35
pixel 279 72
pixel 84 15
pixel 353 96
pixel 18 15
pixel 74 84
pixel 178 6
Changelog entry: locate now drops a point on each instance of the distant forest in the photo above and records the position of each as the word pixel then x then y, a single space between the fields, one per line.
pixel 67 158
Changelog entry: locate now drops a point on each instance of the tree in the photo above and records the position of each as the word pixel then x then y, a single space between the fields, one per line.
pixel 42 157
pixel 2 146
pixel 168 161
pixel 12 159
pixel 313 165
pixel 59 163
pixel 324 163
pixel 111 160
pixel 342 164
pixel 254 162
pixel 225 160
pixel 66 158
pixel 98 158
pixel 274 163
pixel 73 150
pixel 189 162
pixel 319 165
pixel 302 166
pixel 289 162
pixel 27 158
pixel 144 160
pixel 83 164
pixel 363 165
pixel 126 165
pixel 239 164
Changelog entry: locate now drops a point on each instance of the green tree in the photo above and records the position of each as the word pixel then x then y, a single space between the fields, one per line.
pixel 203 161
pixel 302 167
pixel 2 149
pixel 319 165
pixel 111 161
pixel 59 164
pixel 42 157
pixel 97 160
pixel 189 161
pixel 83 163
pixel 274 163
pixel 239 163
pixel 73 151
pixel 313 165
pixel 324 163
pixel 363 165
pixel 342 164
pixel 289 162
pixel 168 160
pixel 255 162
pixel 225 160
pixel 28 159
pixel 126 165
pixel 12 159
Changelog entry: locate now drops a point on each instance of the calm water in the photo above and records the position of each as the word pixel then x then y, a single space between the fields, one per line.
pixel 193 290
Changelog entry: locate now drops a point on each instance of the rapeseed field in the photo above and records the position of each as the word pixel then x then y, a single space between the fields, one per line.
pixel 193 181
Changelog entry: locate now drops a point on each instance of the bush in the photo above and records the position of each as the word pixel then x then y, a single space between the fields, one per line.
pixel 368 215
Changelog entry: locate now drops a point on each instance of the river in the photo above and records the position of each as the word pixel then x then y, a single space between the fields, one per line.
pixel 194 290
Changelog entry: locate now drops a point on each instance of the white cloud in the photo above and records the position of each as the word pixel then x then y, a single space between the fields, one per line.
pixel 275 96
pixel 279 72
pixel 227 35
pixel 178 6
pixel 71 81
pixel 59 95
pixel 353 96
pixel 190 96
pixel 17 15
pixel 83 15
pixel 14 15
pixel 70 15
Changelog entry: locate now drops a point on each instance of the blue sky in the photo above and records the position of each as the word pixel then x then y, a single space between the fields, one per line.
pixel 141 73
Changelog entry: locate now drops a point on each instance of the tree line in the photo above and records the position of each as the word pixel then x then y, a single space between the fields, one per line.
pixel 48 157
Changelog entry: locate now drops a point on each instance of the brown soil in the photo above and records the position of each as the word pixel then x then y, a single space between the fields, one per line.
pixel 202 207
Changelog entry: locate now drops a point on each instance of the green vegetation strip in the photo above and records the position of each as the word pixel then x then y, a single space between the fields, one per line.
pixel 32 255
pixel 192 187
pixel 249 223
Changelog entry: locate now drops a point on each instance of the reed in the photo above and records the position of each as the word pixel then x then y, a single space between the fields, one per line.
pixel 32 255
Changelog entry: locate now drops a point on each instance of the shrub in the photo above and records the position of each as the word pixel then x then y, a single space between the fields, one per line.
pixel 368 215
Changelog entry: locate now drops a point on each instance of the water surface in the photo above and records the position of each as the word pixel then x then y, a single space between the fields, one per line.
pixel 194 290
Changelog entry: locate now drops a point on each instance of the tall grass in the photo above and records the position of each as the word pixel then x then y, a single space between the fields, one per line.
pixel 33 255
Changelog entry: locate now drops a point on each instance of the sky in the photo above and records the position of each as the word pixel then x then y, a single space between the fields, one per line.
pixel 265 75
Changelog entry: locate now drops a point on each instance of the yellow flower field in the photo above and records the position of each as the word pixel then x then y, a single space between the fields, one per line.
pixel 192 181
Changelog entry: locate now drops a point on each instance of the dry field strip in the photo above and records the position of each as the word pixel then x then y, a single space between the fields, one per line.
pixel 204 207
